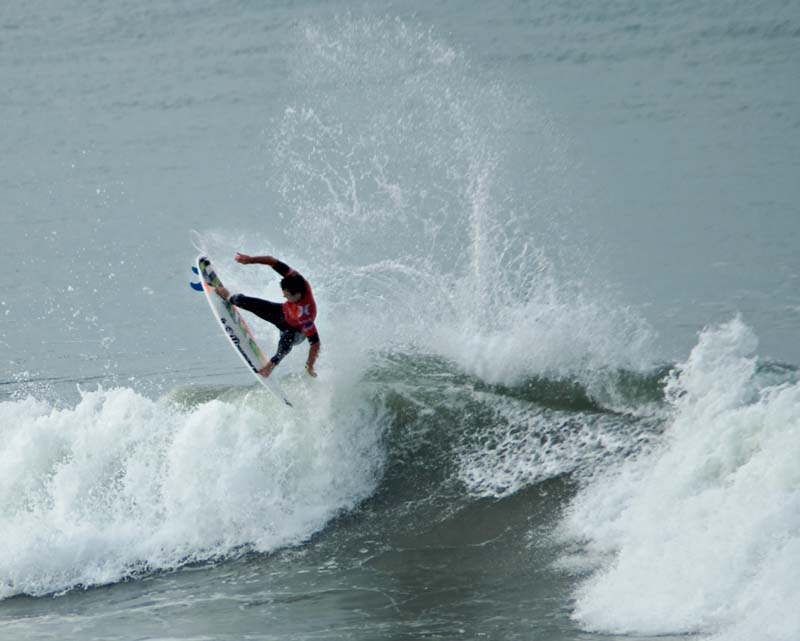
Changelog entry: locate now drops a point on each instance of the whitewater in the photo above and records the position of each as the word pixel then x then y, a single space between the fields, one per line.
pixel 703 530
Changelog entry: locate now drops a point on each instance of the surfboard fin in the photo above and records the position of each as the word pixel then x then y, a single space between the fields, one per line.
pixel 198 287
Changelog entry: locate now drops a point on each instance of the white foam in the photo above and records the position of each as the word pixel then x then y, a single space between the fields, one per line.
pixel 703 535
pixel 121 483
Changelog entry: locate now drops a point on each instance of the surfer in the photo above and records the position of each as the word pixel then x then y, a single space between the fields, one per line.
pixel 294 318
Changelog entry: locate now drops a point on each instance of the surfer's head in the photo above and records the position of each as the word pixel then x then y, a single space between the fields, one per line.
pixel 293 286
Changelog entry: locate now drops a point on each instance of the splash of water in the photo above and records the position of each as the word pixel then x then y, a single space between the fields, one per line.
pixel 396 178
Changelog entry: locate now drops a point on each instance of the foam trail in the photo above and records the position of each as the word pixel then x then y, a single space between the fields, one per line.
pixel 121 484
pixel 704 533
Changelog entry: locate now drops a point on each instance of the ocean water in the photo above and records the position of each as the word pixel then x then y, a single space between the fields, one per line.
pixel 554 250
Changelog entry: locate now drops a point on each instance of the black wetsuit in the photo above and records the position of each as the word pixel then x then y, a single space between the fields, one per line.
pixel 273 313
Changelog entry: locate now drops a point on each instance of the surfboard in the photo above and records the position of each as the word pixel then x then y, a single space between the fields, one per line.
pixel 233 326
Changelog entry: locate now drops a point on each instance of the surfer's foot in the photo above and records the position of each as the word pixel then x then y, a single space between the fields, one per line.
pixel 223 293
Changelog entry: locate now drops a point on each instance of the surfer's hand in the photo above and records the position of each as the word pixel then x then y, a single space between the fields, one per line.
pixel 267 369
pixel 310 370
pixel 244 259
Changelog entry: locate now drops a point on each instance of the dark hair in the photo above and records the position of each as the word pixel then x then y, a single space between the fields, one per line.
pixel 294 284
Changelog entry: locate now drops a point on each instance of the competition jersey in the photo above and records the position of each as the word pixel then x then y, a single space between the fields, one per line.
pixel 301 315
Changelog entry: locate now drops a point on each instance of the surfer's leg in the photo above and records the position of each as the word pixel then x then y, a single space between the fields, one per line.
pixel 287 340
pixel 267 310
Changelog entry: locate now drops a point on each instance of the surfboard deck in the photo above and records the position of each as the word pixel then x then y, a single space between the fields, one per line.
pixel 233 326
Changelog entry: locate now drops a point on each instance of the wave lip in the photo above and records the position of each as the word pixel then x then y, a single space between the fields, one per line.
pixel 700 535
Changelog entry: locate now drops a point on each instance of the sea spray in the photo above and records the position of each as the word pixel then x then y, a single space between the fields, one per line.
pixel 396 186
pixel 702 532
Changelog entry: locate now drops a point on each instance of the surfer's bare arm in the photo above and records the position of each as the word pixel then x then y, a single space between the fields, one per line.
pixel 249 260
pixel 278 266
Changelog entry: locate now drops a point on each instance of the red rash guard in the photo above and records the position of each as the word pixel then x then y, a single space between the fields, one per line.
pixel 301 315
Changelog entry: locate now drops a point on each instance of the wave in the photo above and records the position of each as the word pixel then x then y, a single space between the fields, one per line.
pixel 685 516
pixel 702 533
pixel 120 485
pixel 493 440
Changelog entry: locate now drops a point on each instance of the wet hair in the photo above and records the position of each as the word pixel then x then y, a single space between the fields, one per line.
pixel 294 284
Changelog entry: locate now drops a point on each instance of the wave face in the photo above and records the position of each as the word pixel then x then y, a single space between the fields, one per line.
pixel 703 531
